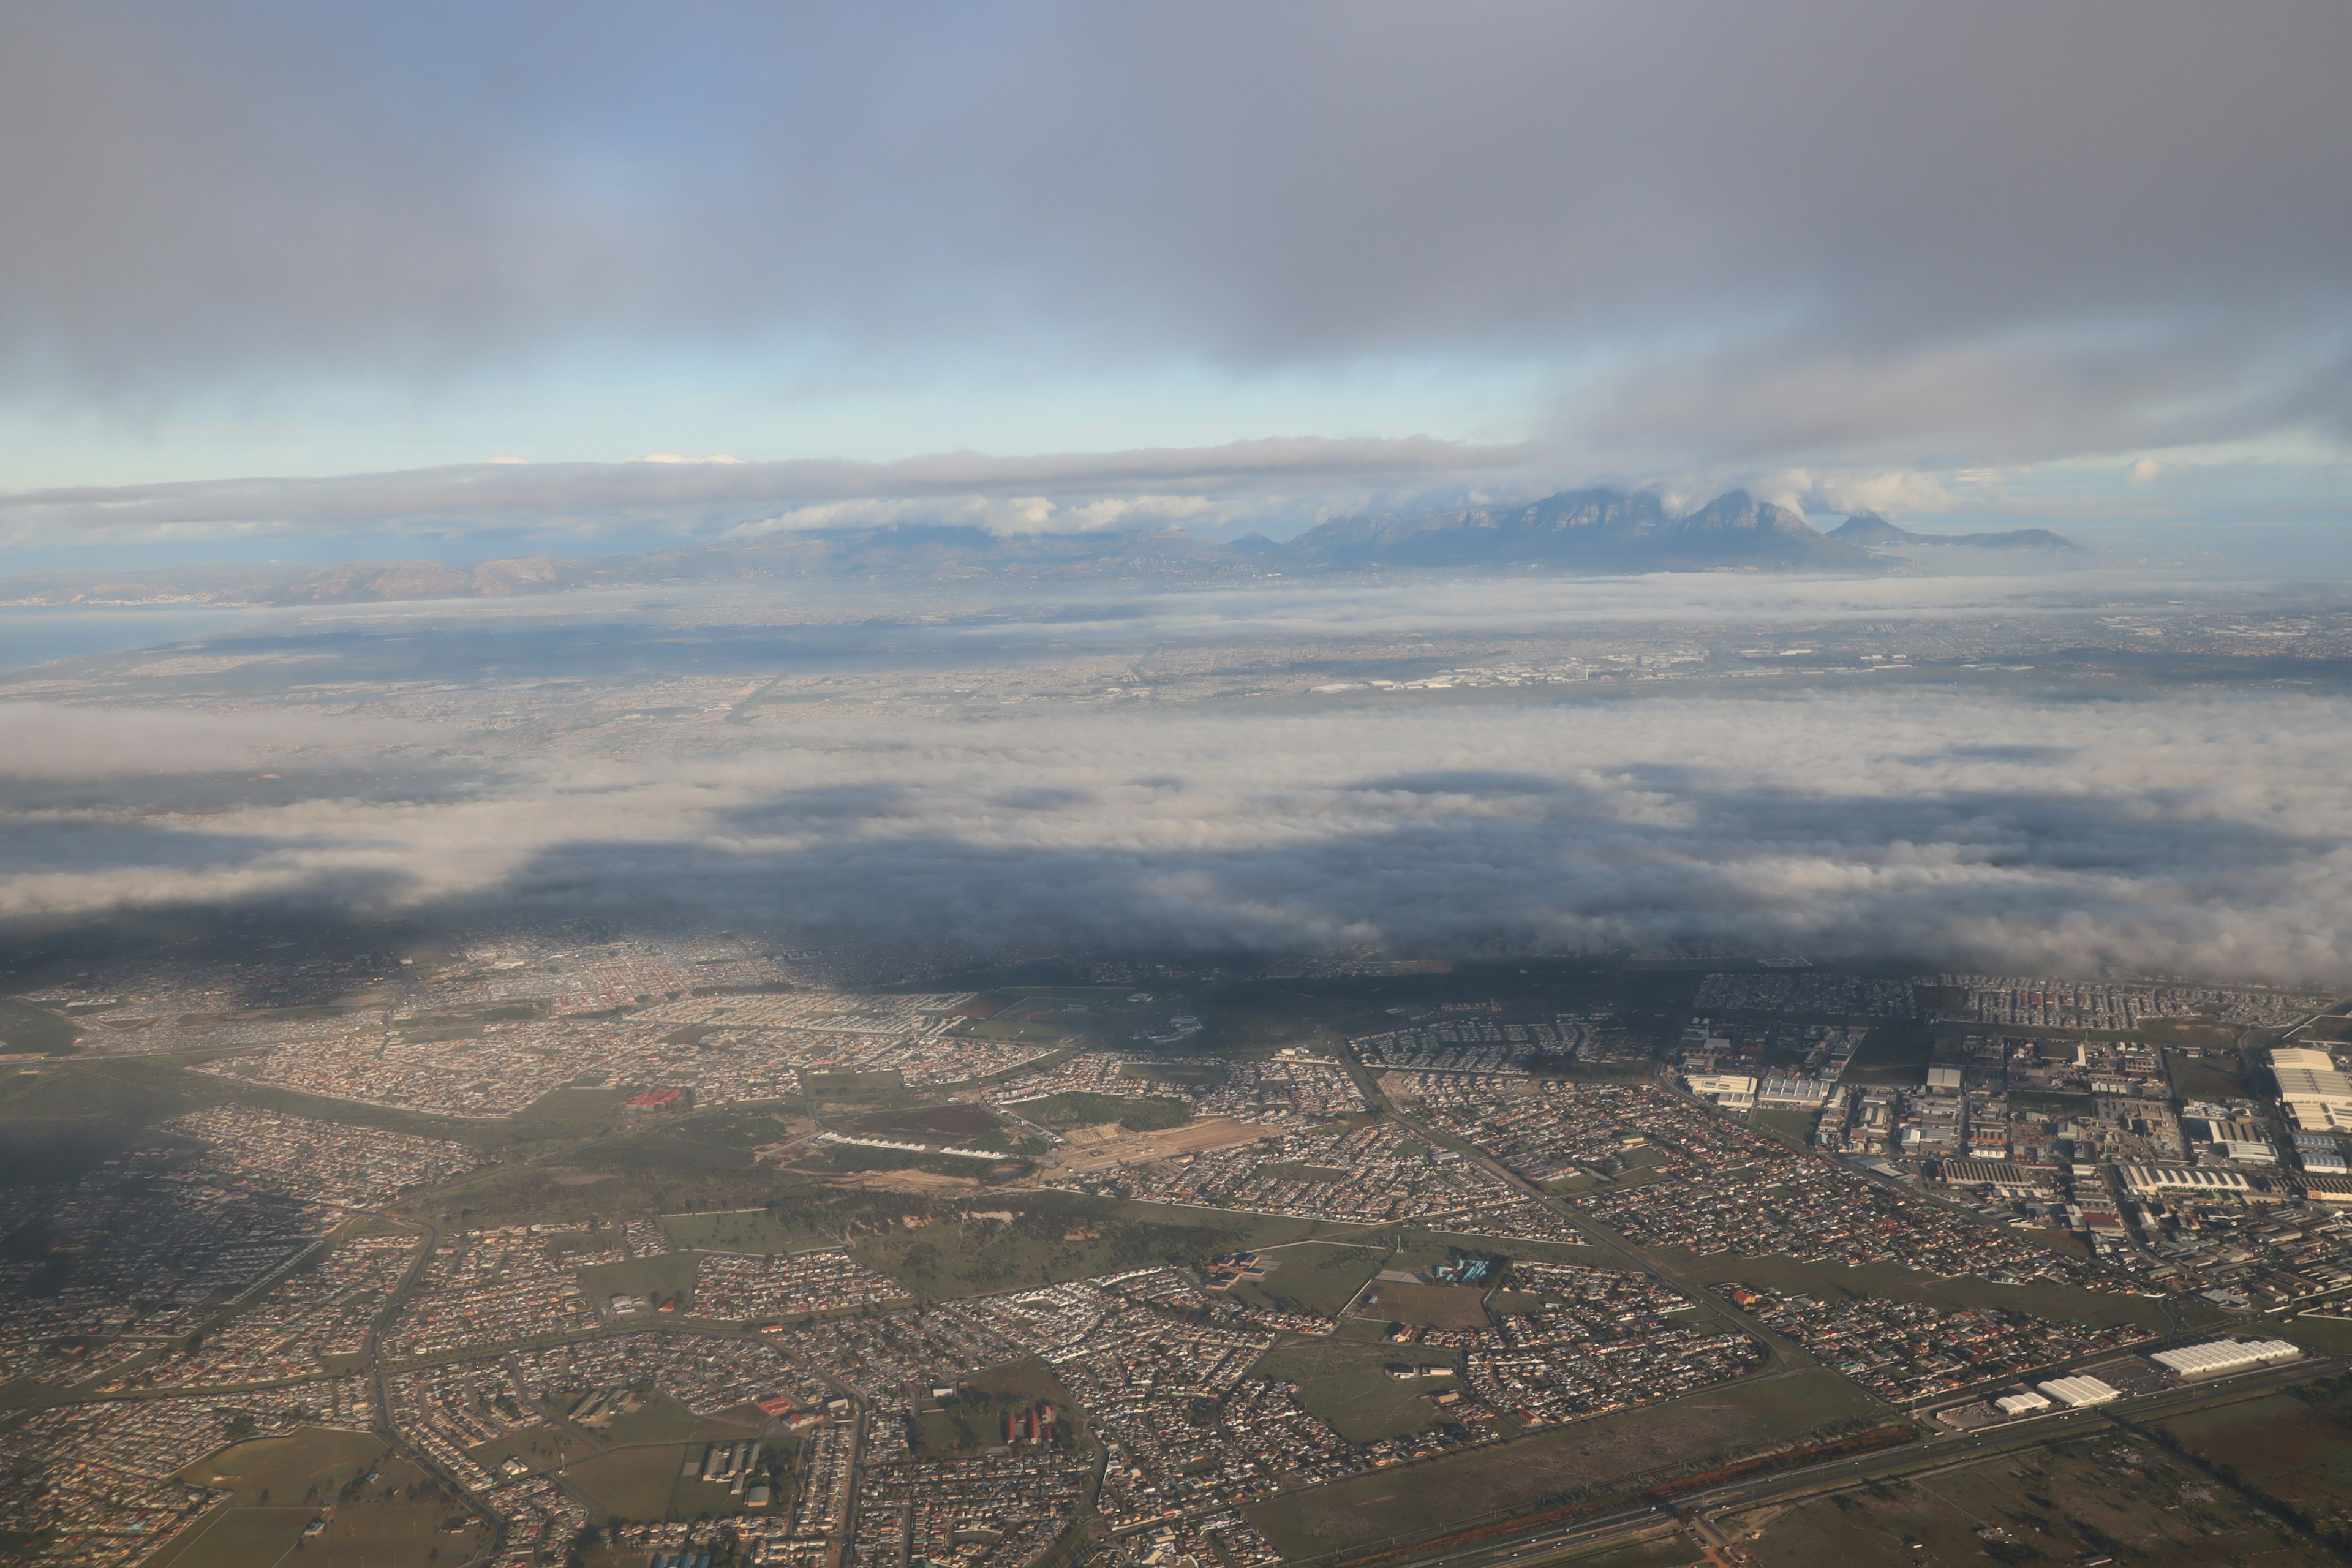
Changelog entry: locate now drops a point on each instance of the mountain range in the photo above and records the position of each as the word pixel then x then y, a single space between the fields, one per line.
pixel 1587 531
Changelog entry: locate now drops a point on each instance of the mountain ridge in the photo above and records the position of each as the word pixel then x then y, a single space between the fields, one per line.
pixel 1868 529
pixel 1593 530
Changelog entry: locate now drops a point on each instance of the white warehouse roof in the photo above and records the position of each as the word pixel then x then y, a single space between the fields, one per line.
pixel 2225 1355
pixel 2077 1391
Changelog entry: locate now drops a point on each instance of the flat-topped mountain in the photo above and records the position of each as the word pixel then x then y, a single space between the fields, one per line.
pixel 1872 530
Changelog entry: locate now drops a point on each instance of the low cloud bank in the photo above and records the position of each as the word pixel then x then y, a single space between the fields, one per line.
pixel 2183 832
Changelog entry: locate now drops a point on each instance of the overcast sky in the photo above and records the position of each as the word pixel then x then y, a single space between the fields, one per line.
pixel 2084 261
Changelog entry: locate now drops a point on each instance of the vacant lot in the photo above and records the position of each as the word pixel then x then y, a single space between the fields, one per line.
pixel 1078 1109
pixel 1048 1243
pixel 1528 1471
pixel 1892 1053
pixel 1893 1282
pixel 1345 1382
pixel 650 1483
pixel 2083 1501
pixel 280 1484
pixel 953 1123
pixel 2218 1077
pixel 2294 1453
pixel 1314 1277
pixel 1433 1306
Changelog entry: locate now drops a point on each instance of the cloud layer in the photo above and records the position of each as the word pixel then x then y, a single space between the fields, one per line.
pixel 2044 830
pixel 1824 231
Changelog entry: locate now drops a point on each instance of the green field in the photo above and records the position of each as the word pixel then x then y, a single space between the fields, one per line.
pixel 24 1030
pixel 1044 1244
pixel 2297 1453
pixel 1529 1471
pixel 2333 1335
pixel 2206 1077
pixel 754 1231
pixel 1790 1126
pixel 278 1485
pixel 659 1274
pixel 1313 1277
pixel 853 1086
pixel 1893 1053
pixel 971 1423
pixel 2077 1503
pixel 1892 1281
pixel 647 1484
pixel 1342 1381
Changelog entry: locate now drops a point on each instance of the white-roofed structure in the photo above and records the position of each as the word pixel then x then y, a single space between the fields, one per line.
pixel 2317 1095
pixel 2022 1403
pixel 2215 1357
pixel 2076 1393
pixel 2158 1179
pixel 1732 1089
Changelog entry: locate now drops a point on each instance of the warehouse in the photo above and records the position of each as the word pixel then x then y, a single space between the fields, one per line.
pixel 2318 1097
pixel 2215 1357
pixel 2152 1180
pixel 2075 1392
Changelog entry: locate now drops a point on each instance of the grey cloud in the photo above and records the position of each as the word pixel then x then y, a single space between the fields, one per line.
pixel 1827 823
pixel 1826 227
pixel 554 496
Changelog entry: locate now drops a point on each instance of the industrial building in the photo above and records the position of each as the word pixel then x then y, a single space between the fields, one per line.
pixel 2078 1392
pixel 2317 1096
pixel 2215 1357
pixel 2204 1179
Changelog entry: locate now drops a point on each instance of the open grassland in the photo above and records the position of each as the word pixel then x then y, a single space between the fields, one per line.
pixel 2219 1076
pixel 2330 1334
pixel 1429 1306
pixel 650 1483
pixel 1048 1240
pixel 1790 1126
pixel 2083 1501
pixel 1892 1281
pixel 1080 1109
pixel 280 1484
pixel 1893 1053
pixel 757 1232
pixel 1528 1471
pixel 1345 1383
pixel 2296 1453
pixel 1314 1277
pixel 27 1030
pixel 854 1087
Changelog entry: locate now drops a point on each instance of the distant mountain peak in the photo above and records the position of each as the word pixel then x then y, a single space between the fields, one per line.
pixel 1870 530
pixel 1596 530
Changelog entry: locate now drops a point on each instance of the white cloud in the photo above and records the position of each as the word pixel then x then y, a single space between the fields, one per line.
pixel 1955 825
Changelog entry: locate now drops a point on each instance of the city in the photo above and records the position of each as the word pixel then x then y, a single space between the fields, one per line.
pixel 1016 1271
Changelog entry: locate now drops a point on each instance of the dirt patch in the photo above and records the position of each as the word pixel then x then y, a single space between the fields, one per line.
pixel 905 1181
pixel 1129 1148
pixel 927 1122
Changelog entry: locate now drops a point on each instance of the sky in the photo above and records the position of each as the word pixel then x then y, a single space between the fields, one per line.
pixel 304 280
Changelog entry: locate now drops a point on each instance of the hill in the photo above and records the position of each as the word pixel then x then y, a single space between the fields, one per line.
pixel 1871 531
